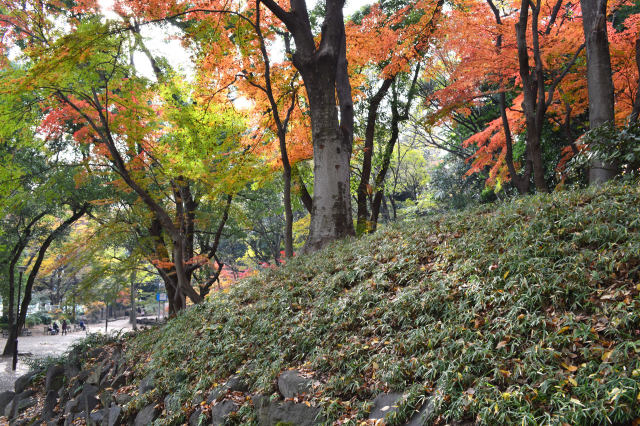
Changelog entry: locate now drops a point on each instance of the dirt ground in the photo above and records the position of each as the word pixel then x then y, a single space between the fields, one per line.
pixel 41 345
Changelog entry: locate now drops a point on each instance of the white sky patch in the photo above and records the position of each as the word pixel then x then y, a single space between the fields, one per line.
pixel 164 41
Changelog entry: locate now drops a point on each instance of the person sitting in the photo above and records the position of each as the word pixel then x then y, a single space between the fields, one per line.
pixel 56 328
pixel 82 326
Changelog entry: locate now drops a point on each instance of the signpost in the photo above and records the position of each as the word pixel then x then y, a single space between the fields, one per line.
pixel 161 298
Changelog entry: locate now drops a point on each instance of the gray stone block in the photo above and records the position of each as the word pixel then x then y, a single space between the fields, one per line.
pixel 54 378
pixel 23 381
pixel 197 418
pixel 5 399
pixel 146 416
pixel 384 404
pixel 292 384
pixel 221 411
pixel 122 398
pixel 234 384
pixel 112 416
pixel 270 413
pixel 50 402
pixel 147 384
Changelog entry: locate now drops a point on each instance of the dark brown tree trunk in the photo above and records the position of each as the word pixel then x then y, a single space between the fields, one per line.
pixel 364 187
pixel 521 182
pixel 288 213
pixel 534 105
pixel 386 161
pixel 282 127
pixel 132 313
pixel 599 80
pixel 301 188
pixel 633 117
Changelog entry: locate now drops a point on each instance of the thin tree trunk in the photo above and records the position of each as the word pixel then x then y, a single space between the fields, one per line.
pixel 288 214
pixel 599 79
pixel 633 118
pixel 364 187
pixel 386 161
pixel 521 182
pixel 132 314
pixel 305 198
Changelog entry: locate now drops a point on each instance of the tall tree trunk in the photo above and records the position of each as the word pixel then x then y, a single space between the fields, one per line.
pixel 534 102
pixel 132 314
pixel 288 213
pixel 331 209
pixel 364 186
pixel 323 67
pixel 386 162
pixel 599 80
pixel 521 182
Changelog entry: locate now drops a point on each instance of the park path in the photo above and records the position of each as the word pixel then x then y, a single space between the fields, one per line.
pixel 40 345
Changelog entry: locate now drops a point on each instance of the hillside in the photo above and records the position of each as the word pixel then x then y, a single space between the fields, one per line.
pixel 525 312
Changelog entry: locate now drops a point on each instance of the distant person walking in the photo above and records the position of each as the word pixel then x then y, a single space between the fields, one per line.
pixel 65 326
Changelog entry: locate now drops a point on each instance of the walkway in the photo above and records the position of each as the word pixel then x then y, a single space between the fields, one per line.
pixel 41 345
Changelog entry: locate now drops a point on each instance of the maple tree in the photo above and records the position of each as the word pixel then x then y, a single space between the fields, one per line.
pixel 322 65
pixel 534 54
pixel 391 42
pixel 133 128
pixel 274 86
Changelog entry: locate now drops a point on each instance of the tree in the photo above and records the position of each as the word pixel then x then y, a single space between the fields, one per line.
pixel 599 78
pixel 92 92
pixel 393 44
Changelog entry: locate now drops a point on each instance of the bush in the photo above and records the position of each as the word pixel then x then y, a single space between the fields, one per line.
pixel 611 145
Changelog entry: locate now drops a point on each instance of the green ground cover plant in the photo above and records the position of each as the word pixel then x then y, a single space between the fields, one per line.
pixel 525 312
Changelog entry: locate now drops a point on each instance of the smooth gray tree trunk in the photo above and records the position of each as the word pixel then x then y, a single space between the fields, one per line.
pixel 599 80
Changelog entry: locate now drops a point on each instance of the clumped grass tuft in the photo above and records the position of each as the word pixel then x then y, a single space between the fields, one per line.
pixel 526 312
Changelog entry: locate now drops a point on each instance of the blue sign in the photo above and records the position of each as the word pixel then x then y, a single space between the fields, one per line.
pixel 161 297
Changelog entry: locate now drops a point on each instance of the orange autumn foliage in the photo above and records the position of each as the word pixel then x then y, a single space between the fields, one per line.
pixel 472 72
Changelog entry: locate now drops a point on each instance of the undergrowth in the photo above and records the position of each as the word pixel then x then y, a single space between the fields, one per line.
pixel 526 312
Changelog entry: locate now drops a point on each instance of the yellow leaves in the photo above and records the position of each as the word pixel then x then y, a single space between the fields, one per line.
pixel 614 394
pixel 505 373
pixel 568 367
pixel 572 381
pixel 506 274
pixel 502 344
pixel 605 356
pixel 577 402
pixel 563 329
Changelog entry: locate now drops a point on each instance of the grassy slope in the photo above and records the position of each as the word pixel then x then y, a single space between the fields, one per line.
pixel 526 312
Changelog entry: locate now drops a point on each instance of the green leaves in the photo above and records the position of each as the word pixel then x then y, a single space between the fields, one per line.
pixel 431 310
